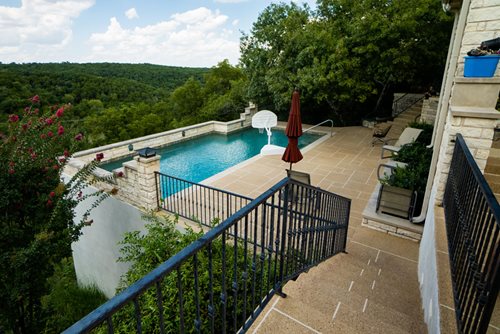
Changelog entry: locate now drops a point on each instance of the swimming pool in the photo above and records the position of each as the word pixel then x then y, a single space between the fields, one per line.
pixel 200 158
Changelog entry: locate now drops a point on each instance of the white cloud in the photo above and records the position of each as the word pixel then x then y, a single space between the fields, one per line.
pixel 193 38
pixel 39 22
pixel 131 14
pixel 235 22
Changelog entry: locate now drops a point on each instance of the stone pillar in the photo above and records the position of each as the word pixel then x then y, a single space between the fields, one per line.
pixel 138 186
pixel 429 110
pixel 471 113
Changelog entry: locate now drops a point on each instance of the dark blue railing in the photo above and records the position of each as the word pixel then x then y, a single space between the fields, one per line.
pixel 246 260
pixel 195 201
pixel 472 223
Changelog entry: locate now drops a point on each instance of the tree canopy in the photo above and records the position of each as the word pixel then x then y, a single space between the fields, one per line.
pixel 344 54
pixel 114 102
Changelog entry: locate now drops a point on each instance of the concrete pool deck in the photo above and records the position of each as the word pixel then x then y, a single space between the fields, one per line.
pixel 371 289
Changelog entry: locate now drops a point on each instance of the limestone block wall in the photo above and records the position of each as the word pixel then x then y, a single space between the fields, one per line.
pixel 429 110
pixel 483 23
pixel 122 149
pixel 478 134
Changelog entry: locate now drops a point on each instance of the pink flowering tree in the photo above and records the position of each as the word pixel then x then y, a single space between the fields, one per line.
pixel 37 210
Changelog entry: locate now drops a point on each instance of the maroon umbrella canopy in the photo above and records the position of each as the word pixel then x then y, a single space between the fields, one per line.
pixel 293 132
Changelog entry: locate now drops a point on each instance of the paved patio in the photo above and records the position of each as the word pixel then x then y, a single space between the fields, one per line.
pixel 371 289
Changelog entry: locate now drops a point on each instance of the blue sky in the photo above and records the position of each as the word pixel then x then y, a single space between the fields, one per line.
pixel 168 32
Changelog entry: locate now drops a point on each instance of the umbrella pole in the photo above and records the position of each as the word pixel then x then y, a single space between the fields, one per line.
pixel 290 166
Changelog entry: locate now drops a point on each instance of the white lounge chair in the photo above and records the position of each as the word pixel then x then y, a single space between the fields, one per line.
pixel 409 135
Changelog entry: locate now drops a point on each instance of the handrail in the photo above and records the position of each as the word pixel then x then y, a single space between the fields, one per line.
pixel 243 262
pixel 472 217
pixel 195 201
pixel 396 110
pixel 315 126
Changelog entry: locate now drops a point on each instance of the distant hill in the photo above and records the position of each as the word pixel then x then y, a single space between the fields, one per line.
pixel 111 83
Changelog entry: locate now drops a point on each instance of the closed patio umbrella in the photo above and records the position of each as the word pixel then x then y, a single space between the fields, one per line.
pixel 293 132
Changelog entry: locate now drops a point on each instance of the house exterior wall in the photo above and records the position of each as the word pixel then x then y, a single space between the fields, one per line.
pixel 467 107
pixel 483 23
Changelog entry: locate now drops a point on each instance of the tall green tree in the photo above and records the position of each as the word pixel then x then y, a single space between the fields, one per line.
pixel 345 54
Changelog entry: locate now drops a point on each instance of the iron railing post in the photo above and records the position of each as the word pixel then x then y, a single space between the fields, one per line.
pixel 157 175
pixel 284 232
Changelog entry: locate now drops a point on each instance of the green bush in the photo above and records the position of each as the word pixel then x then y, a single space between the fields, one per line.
pixel 414 175
pixel 425 137
pixel 418 159
pixel 147 251
pixel 67 302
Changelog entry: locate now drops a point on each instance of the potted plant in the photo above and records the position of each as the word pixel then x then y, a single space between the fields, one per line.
pixel 482 61
pixel 402 192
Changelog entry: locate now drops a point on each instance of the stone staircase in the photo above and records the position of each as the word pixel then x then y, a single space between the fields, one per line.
pixel 401 121
pixel 492 170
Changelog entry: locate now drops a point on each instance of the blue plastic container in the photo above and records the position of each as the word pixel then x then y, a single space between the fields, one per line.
pixel 481 66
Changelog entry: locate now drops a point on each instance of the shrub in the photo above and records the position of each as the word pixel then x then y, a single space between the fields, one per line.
pixel 418 159
pixel 67 302
pixel 163 240
pixel 425 137
pixel 36 225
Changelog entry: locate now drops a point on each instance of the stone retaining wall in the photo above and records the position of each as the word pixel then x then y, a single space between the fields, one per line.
pixel 429 110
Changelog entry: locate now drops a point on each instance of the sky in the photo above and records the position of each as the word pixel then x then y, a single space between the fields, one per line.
pixel 195 33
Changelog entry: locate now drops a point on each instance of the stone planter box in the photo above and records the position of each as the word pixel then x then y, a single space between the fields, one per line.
pixel 396 201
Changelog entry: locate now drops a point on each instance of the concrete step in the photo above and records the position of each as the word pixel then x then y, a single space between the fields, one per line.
pixel 495 152
pixel 495 187
pixel 492 178
pixel 496 145
pixel 492 165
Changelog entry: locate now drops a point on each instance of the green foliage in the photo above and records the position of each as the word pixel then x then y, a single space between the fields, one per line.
pixel 222 97
pixel 98 92
pixel 36 225
pixel 67 302
pixel 425 136
pixel 344 54
pixel 162 241
pixel 414 175
pixel 115 102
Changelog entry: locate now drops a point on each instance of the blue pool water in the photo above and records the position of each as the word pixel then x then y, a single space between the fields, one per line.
pixel 200 158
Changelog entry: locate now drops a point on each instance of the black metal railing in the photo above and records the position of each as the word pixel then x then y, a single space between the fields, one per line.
pixel 232 272
pixel 404 103
pixel 197 202
pixel 472 222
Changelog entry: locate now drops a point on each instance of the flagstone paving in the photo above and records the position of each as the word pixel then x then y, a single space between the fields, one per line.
pixel 373 288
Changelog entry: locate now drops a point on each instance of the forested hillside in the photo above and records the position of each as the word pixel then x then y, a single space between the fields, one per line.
pixel 346 57
pixel 113 102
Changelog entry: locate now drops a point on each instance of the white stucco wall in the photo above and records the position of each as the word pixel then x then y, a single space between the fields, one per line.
pixel 427 271
pixel 96 253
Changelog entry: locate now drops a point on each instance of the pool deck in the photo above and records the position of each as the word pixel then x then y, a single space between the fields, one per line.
pixel 371 289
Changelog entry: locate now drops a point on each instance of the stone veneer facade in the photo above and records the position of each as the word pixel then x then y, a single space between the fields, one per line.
pixel 471 110
pixel 466 106
pixel 429 110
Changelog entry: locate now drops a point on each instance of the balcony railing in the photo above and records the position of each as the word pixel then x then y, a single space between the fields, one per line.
pixel 196 201
pixel 232 272
pixel 472 222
